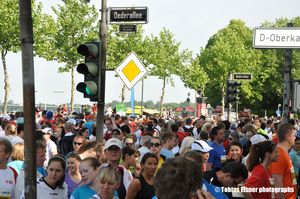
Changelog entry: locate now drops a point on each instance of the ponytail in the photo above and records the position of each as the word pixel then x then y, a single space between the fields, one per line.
pixel 253 158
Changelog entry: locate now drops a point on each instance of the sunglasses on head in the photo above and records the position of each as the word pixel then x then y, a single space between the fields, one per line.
pixel 155 144
pixel 77 143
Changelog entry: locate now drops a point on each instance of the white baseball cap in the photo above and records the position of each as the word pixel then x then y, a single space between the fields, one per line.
pixel 257 139
pixel 113 142
pixel 72 121
pixel 200 145
pixel 47 130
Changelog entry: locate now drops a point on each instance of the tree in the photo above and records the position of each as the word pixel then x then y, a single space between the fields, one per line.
pixel 10 35
pixel 228 51
pixel 194 77
pixel 164 54
pixel 75 23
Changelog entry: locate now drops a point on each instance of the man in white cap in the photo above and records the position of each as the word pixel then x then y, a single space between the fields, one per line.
pixel 202 147
pixel 112 149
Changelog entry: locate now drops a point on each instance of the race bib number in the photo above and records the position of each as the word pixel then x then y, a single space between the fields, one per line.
pixel 5 195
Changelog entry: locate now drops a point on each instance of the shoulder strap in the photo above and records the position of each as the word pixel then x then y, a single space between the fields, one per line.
pixel 15 173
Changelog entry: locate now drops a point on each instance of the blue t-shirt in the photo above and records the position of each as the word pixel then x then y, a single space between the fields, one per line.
pixel 17 165
pixel 215 155
pixel 214 190
pixel 295 157
pixel 83 191
pixel 167 153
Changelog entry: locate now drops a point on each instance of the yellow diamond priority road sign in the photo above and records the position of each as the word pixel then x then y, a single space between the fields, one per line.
pixel 131 70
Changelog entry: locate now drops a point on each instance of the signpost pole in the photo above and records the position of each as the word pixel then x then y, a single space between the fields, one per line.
pixel 142 96
pixel 101 75
pixel 287 83
pixel 26 37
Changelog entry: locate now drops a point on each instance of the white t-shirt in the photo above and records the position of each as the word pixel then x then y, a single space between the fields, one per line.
pixel 51 149
pixel 19 189
pixel 46 192
pixel 14 139
pixel 7 183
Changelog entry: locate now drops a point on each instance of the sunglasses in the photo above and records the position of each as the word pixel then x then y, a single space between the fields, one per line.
pixel 128 144
pixel 155 144
pixel 77 143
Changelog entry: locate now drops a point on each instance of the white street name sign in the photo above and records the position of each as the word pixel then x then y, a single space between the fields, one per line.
pixel 288 37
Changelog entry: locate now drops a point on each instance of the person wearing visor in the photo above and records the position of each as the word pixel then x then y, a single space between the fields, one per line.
pixel 202 147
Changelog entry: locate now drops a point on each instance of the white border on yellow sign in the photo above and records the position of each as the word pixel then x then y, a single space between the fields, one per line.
pixel 143 71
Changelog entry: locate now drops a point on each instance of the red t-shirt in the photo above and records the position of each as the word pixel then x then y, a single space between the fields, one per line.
pixel 259 178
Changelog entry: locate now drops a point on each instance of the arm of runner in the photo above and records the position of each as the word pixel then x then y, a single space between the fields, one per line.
pixel 278 183
pixel 248 195
pixel 133 189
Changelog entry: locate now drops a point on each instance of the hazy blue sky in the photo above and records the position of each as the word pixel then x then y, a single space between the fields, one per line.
pixel 193 22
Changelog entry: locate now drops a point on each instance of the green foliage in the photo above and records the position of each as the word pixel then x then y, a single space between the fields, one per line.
pixel 121 44
pixel 229 51
pixel 9 25
pixel 164 55
pixel 194 77
pixel 75 23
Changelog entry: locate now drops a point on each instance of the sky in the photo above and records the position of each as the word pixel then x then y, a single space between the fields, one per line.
pixel 192 22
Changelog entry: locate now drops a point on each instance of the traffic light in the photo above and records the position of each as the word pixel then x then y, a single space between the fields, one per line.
pixel 232 91
pixel 90 70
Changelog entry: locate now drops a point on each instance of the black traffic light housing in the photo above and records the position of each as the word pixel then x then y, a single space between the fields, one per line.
pixel 90 69
pixel 232 91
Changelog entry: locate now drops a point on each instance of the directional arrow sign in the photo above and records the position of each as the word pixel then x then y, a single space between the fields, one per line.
pixel 288 37
pixel 131 70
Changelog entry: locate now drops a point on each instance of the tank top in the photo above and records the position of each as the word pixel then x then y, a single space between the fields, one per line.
pixel 146 191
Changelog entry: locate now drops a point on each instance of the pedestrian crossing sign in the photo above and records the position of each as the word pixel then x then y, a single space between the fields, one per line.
pixel 131 70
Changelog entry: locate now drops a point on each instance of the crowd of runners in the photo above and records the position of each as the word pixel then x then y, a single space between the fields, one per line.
pixel 152 157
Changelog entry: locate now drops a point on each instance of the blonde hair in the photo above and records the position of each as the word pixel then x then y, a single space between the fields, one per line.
pixel 10 129
pixel 186 144
pixel 108 174
pixel 18 152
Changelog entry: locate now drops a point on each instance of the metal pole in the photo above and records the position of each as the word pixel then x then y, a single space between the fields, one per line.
pixel 229 104
pixel 287 82
pixel 228 111
pixel 102 71
pixel 142 100
pixel 26 37
pixel 237 110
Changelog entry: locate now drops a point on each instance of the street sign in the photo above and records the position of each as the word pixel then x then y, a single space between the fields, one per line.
pixel 128 28
pixel 242 76
pixel 286 37
pixel 134 15
pixel 131 70
pixel 296 98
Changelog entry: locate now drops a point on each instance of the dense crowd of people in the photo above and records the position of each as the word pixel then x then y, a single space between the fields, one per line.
pixel 152 157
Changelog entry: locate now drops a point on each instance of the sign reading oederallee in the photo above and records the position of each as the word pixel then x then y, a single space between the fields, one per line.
pixel 134 15
pixel 287 37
